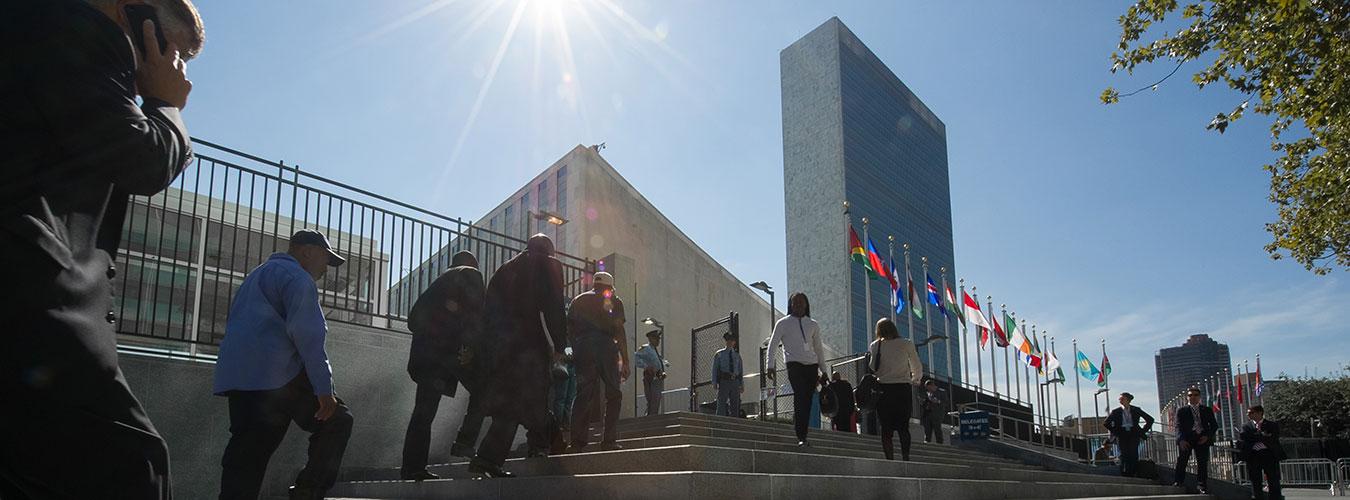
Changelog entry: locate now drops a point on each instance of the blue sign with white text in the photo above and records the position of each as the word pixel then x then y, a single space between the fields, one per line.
pixel 975 425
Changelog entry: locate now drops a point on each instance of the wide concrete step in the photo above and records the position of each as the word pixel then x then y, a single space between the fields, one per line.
pixel 764 428
pixel 821 439
pixel 748 486
pixel 717 459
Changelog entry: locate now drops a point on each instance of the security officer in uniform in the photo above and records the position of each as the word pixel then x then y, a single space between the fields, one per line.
pixel 728 373
pixel 653 368
pixel 595 324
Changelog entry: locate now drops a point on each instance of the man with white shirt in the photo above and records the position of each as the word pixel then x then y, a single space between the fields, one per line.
pixel 1124 426
pixel 800 337
pixel 1196 426
pixel 1259 445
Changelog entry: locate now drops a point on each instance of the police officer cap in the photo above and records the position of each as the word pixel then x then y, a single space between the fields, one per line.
pixel 654 334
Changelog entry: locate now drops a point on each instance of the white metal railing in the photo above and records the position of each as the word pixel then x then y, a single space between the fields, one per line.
pixel 1162 448
pixel 1300 472
pixel 1049 440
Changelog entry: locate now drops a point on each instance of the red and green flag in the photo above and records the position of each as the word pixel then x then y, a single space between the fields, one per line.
pixel 857 253
pixel 1106 370
pixel 953 306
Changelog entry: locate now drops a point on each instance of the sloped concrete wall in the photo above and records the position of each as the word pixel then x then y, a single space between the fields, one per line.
pixel 370 374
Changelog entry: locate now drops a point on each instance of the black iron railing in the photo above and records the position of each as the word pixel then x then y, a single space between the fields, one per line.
pixel 185 251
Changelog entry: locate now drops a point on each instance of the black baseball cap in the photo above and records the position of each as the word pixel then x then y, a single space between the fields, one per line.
pixel 312 237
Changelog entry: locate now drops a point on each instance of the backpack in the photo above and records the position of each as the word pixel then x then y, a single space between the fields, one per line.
pixel 828 405
pixel 867 393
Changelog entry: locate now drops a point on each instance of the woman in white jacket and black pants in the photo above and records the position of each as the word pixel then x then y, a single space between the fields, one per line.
pixel 800 337
pixel 896 364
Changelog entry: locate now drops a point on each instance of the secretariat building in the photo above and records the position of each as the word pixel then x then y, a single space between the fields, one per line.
pixel 852 131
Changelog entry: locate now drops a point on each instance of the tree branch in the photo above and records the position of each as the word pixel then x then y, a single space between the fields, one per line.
pixel 1155 84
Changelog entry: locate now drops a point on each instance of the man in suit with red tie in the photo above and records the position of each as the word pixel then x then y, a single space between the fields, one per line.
pixel 1196 427
pixel 1259 444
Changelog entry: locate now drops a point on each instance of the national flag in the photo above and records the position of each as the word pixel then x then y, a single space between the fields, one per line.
pixel 1239 390
pixel 874 261
pixel 1000 337
pixel 1037 356
pixel 1260 384
pixel 915 303
pixel 857 253
pixel 897 300
pixel 972 310
pixel 1018 340
pixel 933 296
pixel 1085 368
pixel 1216 406
pixel 1052 364
pixel 956 309
pixel 1106 370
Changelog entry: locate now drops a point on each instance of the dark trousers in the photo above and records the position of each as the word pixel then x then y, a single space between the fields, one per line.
pixel 843 421
pixel 1201 464
pixel 52 449
pixel 1129 453
pixel 597 362
pixel 258 422
pixel 932 426
pixel 472 424
pixel 1264 462
pixel 893 410
pixel 653 388
pixel 803 380
pixel 417 441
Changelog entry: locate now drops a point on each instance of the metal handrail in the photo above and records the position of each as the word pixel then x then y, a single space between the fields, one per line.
pixel 1047 438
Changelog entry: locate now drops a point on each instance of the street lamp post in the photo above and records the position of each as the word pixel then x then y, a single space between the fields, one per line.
pixel 773 317
pixel 542 215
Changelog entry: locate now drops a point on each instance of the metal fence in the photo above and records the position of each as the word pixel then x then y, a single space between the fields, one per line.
pixel 1298 472
pixel 1343 469
pixel 185 250
pixel 704 342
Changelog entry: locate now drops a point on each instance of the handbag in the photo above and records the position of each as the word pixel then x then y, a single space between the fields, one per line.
pixel 868 392
pixel 828 406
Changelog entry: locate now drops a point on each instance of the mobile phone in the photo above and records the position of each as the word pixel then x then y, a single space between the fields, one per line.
pixel 137 14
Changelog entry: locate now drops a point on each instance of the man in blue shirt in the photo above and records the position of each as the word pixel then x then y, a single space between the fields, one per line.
pixel 274 369
pixel 653 367
pixel 728 372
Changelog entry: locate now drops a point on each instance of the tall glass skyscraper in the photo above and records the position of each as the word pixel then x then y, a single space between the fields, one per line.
pixel 852 131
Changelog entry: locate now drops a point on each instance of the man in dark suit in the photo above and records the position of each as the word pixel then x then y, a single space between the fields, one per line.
pixel 446 323
pixel 527 333
pixel 1196 427
pixel 74 145
pixel 1123 423
pixel 1259 446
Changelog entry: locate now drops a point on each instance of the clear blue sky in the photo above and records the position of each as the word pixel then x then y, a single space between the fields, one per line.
pixel 1127 222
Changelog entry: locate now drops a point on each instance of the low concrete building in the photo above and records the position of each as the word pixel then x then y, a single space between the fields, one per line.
pixel 659 271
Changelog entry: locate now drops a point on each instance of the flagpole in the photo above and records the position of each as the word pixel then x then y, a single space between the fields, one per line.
pixel 890 252
pixel 1006 367
pixel 909 291
pixel 1106 377
pixel 1040 392
pixel 848 294
pixel 1228 403
pixel 993 369
pixel 1026 367
pixel 965 331
pixel 927 316
pixel 1248 379
pixel 867 283
pixel 1078 389
pixel 1055 355
pixel 1260 395
pixel 1018 385
pixel 979 366
pixel 947 332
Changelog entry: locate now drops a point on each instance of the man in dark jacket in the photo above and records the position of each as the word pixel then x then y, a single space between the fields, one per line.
pixel 1123 423
pixel 527 333
pixel 446 323
pixel 847 407
pixel 74 145
pixel 1259 446
pixel 1196 427
pixel 595 325
pixel 931 411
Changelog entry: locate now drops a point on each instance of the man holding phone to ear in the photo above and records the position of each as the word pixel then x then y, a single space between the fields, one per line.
pixel 74 145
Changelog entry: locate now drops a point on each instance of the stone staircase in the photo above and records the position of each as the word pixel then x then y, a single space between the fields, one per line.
pixel 686 455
